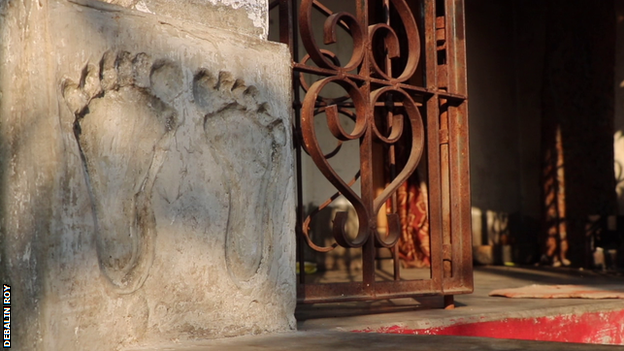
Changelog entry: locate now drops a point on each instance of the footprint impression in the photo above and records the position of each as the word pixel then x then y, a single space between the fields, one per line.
pixel 125 123
pixel 124 126
pixel 246 141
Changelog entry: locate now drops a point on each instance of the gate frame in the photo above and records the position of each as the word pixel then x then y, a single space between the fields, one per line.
pixel 444 97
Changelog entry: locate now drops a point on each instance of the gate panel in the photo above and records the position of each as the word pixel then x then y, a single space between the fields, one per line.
pixel 403 92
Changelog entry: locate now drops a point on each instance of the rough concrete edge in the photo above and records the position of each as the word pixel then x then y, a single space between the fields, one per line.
pixel 179 23
pixel 258 14
pixel 186 344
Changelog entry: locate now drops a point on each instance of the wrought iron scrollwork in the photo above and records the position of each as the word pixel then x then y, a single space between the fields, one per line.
pixel 329 30
pixel 392 43
pixel 363 102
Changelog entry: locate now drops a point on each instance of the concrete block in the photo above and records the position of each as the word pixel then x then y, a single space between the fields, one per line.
pixel 146 187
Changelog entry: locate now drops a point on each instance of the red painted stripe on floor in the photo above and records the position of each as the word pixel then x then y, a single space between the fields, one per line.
pixel 594 328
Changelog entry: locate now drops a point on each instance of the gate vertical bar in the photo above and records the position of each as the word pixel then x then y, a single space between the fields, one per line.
pixel 366 161
pixel 459 143
pixel 433 149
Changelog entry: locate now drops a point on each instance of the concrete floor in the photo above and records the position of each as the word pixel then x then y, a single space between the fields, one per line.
pixel 427 312
pixel 333 341
pixel 329 326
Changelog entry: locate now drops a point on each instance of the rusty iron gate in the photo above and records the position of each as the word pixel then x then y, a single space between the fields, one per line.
pixel 404 83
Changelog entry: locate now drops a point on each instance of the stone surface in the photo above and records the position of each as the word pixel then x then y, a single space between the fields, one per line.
pixel 146 187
